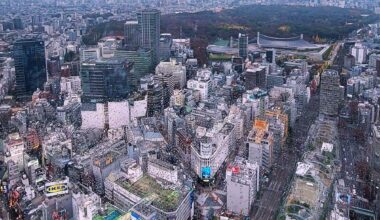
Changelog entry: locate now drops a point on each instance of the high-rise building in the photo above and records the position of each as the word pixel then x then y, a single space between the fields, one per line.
pixel 275 78
pixel 142 63
pixel 270 56
pixel 255 76
pixel 211 150
pixel 372 60
pixel 243 45
pixel 166 41
pixel 331 93
pixel 176 74
pixel 260 145
pixel 37 20
pixel 201 83
pixel 359 51
pixel 149 29
pixel 257 101
pixel 106 79
pixel 102 165
pixel 242 185
pixel 378 67
pixel 14 148
pixel 154 101
pixel 349 61
pixel 17 23
pixel 30 65
pixel 131 33
pixel 154 91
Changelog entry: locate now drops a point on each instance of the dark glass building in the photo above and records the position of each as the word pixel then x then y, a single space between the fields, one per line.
pixel 30 65
pixel 255 77
pixel 105 80
pixel 166 41
pixel 149 29
pixel 131 34
pixel 17 23
pixel 243 45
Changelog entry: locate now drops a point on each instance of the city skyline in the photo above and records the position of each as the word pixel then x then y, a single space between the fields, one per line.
pixel 189 110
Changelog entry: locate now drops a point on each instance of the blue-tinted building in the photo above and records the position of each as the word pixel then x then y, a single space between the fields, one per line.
pixel 30 65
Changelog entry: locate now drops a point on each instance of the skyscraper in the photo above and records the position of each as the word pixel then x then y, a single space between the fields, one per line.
pixel 331 93
pixel 131 33
pixel 30 65
pixel 149 28
pixel 270 56
pixel 166 41
pixel 243 45
pixel 154 91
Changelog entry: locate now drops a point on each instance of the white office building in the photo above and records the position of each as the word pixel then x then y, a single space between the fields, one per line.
pixel 242 185
pixel 359 51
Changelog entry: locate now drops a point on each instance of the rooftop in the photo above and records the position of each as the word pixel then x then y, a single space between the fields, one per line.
pixel 227 128
pixel 132 22
pixel 111 213
pixel 165 199
pixel 294 43
pixel 302 168
pixel 162 164
pixel 242 171
pixel 327 147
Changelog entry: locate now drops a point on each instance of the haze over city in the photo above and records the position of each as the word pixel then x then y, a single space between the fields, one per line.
pixel 189 109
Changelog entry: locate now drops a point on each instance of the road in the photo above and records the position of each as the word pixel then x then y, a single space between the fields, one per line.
pixel 352 154
pixel 272 194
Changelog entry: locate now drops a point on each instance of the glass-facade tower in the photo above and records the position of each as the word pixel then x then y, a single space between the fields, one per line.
pixel 149 29
pixel 30 66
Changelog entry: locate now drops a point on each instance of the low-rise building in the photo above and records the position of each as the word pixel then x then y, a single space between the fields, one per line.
pixel 163 170
pixel 85 206
pixel 149 196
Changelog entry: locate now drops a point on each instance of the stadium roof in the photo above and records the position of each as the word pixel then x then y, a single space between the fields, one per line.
pixel 222 50
pixel 293 43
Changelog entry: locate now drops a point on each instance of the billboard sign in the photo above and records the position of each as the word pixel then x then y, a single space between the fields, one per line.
pixel 206 172
pixel 56 188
